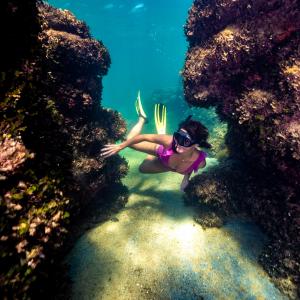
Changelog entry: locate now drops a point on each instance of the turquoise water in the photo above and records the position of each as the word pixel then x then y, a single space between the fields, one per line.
pixel 146 42
pixel 155 250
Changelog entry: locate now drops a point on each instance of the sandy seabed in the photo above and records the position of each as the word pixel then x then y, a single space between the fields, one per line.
pixel 153 249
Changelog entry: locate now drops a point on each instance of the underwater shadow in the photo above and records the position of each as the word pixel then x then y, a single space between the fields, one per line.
pixel 243 231
pixel 248 235
pixel 90 269
pixel 169 202
pixel 241 260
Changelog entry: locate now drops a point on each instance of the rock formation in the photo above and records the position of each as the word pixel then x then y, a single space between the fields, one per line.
pixel 52 128
pixel 244 59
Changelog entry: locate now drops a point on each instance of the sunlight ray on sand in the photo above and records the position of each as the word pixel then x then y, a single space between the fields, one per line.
pixel 157 251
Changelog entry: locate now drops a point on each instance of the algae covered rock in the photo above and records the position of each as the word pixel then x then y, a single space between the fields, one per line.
pixel 217 190
pixel 52 129
pixel 243 59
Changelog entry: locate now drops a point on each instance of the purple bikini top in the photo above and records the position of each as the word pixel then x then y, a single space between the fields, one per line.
pixel 165 153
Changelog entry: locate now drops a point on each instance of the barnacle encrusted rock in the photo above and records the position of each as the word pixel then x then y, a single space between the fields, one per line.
pixel 52 128
pixel 75 65
pixel 244 59
pixel 13 154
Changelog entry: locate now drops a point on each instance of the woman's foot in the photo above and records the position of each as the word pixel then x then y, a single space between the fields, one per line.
pixel 160 118
pixel 139 108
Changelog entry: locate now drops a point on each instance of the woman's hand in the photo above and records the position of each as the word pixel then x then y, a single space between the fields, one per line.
pixel 185 182
pixel 110 149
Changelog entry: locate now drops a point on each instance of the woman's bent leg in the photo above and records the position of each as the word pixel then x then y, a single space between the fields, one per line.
pixel 136 129
pixel 145 147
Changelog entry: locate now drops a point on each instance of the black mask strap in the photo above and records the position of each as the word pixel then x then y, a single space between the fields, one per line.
pixel 174 146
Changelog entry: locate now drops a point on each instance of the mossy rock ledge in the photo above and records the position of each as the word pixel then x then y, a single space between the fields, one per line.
pixel 52 128
pixel 244 59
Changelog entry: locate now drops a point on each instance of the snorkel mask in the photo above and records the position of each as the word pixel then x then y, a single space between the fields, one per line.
pixel 183 139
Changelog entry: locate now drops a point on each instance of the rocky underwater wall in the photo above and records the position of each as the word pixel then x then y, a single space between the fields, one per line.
pixel 52 128
pixel 244 59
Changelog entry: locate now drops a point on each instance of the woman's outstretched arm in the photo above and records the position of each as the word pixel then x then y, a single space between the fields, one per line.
pixel 111 149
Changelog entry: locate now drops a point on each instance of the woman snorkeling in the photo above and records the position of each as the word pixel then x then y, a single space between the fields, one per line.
pixel 177 153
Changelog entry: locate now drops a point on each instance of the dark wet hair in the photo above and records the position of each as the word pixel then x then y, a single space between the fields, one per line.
pixel 197 131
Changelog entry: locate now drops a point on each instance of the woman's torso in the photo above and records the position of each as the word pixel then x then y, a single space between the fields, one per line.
pixel 175 163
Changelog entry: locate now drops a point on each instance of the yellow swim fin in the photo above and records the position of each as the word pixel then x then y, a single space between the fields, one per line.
pixel 160 118
pixel 139 108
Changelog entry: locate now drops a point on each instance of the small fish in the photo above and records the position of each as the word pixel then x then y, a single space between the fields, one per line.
pixel 137 7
